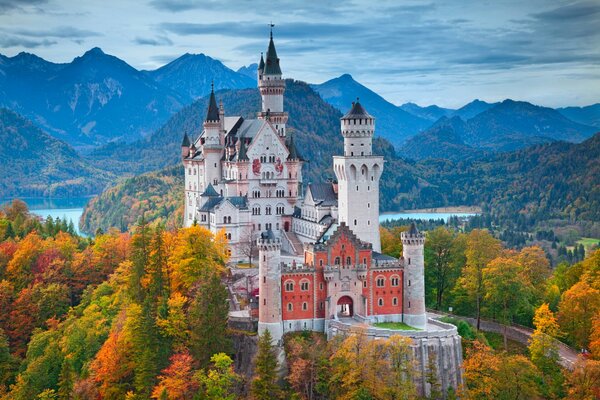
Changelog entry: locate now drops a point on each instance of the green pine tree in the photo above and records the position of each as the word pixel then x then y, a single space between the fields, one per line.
pixel 264 385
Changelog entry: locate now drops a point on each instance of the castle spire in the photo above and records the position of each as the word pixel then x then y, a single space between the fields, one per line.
pixel 272 64
pixel 213 111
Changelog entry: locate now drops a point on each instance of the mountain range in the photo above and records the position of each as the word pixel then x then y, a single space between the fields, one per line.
pixel 98 98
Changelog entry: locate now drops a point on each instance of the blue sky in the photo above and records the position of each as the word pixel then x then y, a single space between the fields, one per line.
pixel 439 52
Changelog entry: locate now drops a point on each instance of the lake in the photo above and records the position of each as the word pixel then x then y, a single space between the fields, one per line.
pixel 71 208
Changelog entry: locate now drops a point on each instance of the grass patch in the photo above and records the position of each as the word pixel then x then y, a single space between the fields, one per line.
pixel 588 242
pixel 397 326
pixel 244 265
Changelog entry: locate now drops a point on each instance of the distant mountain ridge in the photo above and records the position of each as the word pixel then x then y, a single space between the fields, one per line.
pixel 98 98
pixel 588 115
pixel 32 163
pixel 506 126
pixel 193 75
pixel 392 122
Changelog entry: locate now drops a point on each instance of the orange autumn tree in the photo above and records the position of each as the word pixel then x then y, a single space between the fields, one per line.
pixel 576 309
pixel 177 380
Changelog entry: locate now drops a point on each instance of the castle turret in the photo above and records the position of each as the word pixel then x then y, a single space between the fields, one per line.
pixel 185 146
pixel 269 275
pixel 213 146
pixel 413 243
pixel 358 172
pixel 272 87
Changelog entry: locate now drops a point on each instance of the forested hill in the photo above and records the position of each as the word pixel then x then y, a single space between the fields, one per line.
pixel 555 180
pixel 32 163
pixel 314 123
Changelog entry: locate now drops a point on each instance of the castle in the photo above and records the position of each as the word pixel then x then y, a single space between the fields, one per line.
pixel 320 265
pixel 318 253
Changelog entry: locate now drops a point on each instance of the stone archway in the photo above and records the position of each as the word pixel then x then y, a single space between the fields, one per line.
pixel 345 307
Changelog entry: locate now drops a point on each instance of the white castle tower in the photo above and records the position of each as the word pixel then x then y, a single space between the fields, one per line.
pixel 272 87
pixel 269 275
pixel 413 243
pixel 358 172
pixel 213 142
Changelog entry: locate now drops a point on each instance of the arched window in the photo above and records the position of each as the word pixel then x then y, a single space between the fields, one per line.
pixel 395 301
pixel 380 281
pixel 380 302
pixel 290 307
pixel 224 220
pixel 289 286
pixel 305 306
pixel 304 285
pixel 348 260
pixel 395 280
pixel 337 261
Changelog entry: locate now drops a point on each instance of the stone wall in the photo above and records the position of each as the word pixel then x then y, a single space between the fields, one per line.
pixel 441 340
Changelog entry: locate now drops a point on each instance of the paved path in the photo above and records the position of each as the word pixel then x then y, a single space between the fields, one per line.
pixel 520 334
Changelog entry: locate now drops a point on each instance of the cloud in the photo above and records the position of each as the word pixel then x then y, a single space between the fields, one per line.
pixel 157 41
pixel 250 29
pixel 63 32
pixel 15 41
pixel 9 5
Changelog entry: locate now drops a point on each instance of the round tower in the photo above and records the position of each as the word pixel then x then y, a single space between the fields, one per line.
pixel 413 243
pixel 358 172
pixel 269 275
pixel 272 87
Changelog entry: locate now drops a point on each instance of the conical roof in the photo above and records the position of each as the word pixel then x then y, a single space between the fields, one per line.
pixel 294 154
pixel 213 111
pixel 272 63
pixel 261 64
pixel 413 231
pixel 210 192
pixel 186 140
pixel 357 111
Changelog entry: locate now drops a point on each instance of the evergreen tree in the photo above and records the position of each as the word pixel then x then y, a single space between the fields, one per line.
pixel 264 385
pixel 207 318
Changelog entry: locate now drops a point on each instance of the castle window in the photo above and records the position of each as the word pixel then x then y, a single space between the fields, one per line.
pixel 409 282
pixel 304 286
pixel 408 260
pixel 380 281
pixel 290 307
pixel 224 220
pixel 289 286
pixel 395 281
pixel 321 305
pixel 268 210
pixel 337 261
pixel 409 304
pixel 305 306
pixel 264 279
pixel 365 284
pixel 380 302
pixel 365 261
pixel 395 301
pixel 355 222
pixel 320 263
pixel 321 286
pixel 189 171
pixel 348 260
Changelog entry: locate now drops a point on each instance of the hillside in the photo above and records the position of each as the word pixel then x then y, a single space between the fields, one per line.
pixel 191 75
pixel 513 124
pixel 473 108
pixel 443 140
pixel 157 196
pixel 314 122
pixel 92 100
pixel 393 123
pixel 32 163
pixel 589 115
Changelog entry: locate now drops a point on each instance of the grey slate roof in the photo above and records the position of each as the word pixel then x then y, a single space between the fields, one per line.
pixel 239 202
pixel 210 191
pixel 294 154
pixel 212 113
pixel 357 111
pixel 186 140
pixel 261 64
pixel 267 235
pixel 323 194
pixel 272 63
pixel 413 229
pixel 382 257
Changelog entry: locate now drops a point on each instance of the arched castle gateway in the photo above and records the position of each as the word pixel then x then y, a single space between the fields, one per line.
pixel 319 260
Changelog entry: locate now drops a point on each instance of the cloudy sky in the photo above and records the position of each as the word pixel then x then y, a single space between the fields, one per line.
pixel 439 52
